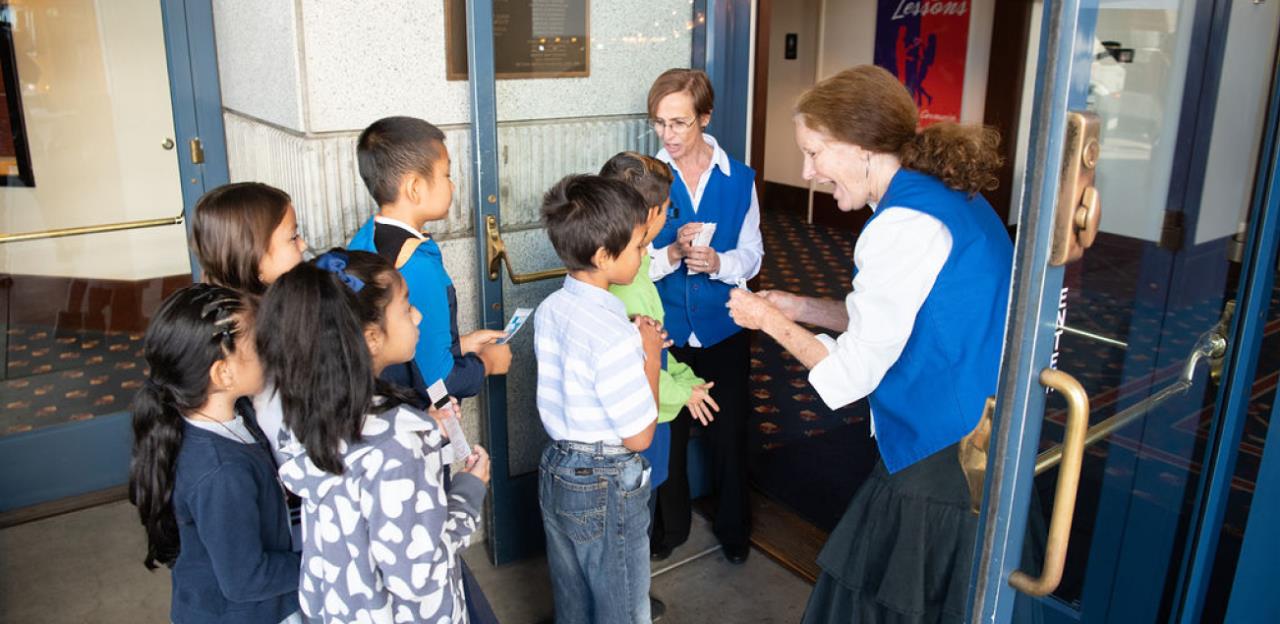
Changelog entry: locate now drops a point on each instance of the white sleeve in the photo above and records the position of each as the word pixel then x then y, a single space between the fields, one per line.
pixel 899 256
pixel 743 262
pixel 660 264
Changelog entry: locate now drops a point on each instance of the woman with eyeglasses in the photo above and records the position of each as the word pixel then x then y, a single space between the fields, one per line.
pixel 711 242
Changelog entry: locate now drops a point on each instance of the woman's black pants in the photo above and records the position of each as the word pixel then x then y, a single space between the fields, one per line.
pixel 728 364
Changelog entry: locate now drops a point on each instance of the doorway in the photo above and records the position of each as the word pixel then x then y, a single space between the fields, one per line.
pixel 115 123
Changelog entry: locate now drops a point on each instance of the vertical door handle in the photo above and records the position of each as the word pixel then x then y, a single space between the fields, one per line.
pixel 1064 499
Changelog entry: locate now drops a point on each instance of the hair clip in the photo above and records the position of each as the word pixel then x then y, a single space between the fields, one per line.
pixel 336 262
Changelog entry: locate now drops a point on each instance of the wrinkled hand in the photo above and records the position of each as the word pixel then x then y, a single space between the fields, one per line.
pixel 703 260
pixel 701 406
pixel 478 464
pixel 788 304
pixel 496 358
pixel 475 340
pixel 749 310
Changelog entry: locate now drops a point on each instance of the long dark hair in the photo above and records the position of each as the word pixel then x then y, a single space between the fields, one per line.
pixel 310 334
pixel 194 328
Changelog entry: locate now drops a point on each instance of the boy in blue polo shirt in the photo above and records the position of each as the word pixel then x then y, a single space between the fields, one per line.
pixel 597 398
pixel 405 165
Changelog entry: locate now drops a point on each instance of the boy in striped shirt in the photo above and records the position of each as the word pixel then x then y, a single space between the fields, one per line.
pixel 597 398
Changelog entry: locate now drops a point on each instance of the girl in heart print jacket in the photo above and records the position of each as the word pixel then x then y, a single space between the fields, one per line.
pixel 381 534
pixel 381 541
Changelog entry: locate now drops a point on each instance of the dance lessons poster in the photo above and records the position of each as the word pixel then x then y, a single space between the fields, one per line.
pixel 924 43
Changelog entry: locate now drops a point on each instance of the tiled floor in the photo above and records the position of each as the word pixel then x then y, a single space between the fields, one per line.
pixel 87 567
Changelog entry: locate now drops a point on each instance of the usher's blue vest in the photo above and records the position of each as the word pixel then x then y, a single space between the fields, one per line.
pixel 934 394
pixel 696 303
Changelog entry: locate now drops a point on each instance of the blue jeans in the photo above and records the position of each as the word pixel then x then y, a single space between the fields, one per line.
pixel 595 512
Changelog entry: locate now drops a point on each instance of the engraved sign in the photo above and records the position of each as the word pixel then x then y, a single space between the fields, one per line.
pixel 531 38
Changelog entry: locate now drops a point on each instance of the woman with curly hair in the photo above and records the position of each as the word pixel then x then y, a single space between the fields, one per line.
pixel 920 335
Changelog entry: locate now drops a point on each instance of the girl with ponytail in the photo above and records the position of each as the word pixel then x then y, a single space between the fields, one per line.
pixel 919 336
pixel 370 469
pixel 202 475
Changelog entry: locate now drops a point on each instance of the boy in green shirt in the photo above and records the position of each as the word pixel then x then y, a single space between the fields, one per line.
pixel 678 387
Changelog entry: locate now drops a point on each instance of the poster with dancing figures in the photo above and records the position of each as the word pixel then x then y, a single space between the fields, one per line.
pixel 923 43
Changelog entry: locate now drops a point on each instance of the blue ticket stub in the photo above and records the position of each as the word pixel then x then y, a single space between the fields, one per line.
pixel 514 325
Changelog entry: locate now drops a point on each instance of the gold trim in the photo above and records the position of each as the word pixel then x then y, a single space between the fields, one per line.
pixel 1064 506
pixel 91 229
pixel 496 256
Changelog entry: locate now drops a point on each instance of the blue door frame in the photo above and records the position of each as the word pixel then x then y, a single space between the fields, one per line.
pixel 94 455
pixel 1064 74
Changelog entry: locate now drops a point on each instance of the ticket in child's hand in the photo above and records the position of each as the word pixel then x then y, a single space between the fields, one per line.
pixel 514 325
pixel 703 238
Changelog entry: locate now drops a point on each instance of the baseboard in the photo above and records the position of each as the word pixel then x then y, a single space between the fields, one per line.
pixel 61 506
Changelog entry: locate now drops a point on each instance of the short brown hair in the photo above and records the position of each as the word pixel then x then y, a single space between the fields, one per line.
pixel 584 213
pixel 231 232
pixel 646 174
pixel 692 81
pixel 867 106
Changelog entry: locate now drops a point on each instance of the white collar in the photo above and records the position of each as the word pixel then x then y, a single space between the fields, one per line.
pixel 719 157
pixel 400 224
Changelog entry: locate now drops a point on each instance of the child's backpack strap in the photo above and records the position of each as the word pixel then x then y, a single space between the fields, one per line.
pixel 406 251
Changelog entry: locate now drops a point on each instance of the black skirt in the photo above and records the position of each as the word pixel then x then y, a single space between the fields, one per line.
pixel 903 549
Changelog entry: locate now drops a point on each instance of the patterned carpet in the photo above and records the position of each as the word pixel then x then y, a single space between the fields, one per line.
pixel 54 378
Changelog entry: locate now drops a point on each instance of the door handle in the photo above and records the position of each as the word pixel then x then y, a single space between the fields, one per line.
pixel 1079 207
pixel 496 255
pixel 1064 499
pixel 973 455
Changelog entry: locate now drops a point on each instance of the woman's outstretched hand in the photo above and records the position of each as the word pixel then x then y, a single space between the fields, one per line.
pixel 788 304
pixel 750 310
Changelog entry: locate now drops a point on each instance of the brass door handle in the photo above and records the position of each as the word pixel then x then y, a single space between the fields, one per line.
pixel 496 256
pixel 91 229
pixel 1064 500
pixel 974 449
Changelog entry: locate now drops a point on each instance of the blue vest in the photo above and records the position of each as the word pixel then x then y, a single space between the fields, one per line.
pixel 429 286
pixel 934 394
pixel 659 451
pixel 696 303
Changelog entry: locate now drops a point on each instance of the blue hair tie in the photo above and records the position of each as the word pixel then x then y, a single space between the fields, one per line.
pixel 336 262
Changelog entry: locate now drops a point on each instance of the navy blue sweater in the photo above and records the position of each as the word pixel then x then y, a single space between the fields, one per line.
pixel 235 562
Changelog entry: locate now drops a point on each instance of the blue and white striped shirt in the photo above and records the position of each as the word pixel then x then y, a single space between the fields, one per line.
pixel 591 381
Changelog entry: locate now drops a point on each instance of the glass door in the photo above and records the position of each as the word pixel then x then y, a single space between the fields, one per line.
pixel 1131 353
pixel 97 164
pixel 533 127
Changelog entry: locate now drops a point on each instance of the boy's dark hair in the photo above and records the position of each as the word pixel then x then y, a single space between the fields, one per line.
pixel 585 212
pixel 194 328
pixel 393 147
pixel 310 336
pixel 231 232
pixel 649 176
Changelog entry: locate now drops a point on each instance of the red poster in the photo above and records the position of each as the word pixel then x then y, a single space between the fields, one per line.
pixel 924 43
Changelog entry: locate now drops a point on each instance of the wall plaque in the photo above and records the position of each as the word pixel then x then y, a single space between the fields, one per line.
pixel 531 38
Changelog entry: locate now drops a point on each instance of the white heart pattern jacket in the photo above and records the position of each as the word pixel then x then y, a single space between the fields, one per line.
pixel 381 542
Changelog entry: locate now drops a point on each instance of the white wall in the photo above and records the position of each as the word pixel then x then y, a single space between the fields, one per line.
pixel 787 80
pixel 847 36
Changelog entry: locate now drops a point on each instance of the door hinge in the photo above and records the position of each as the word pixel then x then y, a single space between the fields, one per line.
pixel 197 152
pixel 1172 232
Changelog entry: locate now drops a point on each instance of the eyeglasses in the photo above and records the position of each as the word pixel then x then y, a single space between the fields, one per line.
pixel 678 125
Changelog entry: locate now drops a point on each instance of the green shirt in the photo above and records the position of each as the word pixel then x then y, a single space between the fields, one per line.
pixel 675 384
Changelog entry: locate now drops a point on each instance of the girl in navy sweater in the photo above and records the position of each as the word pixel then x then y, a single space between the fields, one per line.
pixel 202 475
